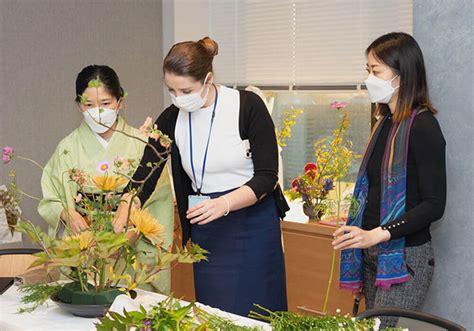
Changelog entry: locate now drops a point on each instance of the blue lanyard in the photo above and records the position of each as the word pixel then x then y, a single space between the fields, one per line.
pixel 207 146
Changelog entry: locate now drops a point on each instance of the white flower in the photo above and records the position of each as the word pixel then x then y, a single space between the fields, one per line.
pixel 78 198
pixel 377 324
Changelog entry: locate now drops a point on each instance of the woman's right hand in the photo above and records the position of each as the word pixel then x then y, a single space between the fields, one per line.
pixel 74 220
pixel 121 215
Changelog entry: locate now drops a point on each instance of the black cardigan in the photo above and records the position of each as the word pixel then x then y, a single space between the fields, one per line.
pixel 426 181
pixel 255 124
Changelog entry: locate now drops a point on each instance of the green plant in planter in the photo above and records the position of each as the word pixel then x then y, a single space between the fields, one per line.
pixel 97 261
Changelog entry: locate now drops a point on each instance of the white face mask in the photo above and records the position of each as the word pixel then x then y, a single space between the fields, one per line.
pixel 380 90
pixel 93 116
pixel 191 102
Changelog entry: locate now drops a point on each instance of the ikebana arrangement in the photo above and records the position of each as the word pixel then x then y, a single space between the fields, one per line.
pixel 333 158
pixel 98 264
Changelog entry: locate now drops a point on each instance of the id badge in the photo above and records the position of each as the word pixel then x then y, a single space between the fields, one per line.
pixel 195 199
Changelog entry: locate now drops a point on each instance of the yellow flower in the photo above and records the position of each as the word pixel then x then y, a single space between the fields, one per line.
pixel 109 182
pixel 86 239
pixel 147 225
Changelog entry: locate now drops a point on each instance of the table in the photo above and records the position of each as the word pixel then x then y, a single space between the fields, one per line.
pixel 51 317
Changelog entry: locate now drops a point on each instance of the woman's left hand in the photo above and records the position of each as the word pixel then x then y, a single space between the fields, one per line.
pixel 207 211
pixel 353 237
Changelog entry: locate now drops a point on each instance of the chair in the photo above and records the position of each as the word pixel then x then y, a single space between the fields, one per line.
pixel 426 318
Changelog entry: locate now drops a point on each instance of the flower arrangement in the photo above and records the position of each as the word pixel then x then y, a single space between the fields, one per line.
pixel 313 189
pixel 98 262
pixel 334 156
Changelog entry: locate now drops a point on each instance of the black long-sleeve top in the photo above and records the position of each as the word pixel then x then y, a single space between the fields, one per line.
pixel 255 124
pixel 426 181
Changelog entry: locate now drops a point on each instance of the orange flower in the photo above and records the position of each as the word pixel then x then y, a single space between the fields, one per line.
pixel 109 182
pixel 86 239
pixel 147 225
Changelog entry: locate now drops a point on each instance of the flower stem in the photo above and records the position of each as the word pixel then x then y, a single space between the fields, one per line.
pixel 30 160
pixel 28 195
pixel 333 258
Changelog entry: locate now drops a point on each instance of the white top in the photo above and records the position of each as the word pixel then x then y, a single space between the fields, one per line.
pixel 229 164
pixel 101 140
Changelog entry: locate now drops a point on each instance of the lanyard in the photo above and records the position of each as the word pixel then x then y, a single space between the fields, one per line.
pixel 207 146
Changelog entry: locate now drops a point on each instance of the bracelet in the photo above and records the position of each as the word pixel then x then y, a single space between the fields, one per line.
pixel 228 205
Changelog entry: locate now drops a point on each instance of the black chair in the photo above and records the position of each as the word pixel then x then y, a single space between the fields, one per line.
pixel 413 315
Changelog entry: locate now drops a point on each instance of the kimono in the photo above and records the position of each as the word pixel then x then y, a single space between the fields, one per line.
pixel 83 150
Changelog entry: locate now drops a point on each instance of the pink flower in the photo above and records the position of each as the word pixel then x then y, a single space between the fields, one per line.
pixel 146 125
pixel 121 163
pixel 103 166
pixel 77 176
pixel 7 154
pixel 338 105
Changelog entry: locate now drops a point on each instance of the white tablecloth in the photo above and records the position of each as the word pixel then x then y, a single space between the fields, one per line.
pixel 51 317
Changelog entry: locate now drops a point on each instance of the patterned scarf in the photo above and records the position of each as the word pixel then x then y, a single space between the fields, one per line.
pixel 391 267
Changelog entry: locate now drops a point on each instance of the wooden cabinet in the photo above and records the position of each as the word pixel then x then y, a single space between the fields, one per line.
pixel 308 261
pixel 308 255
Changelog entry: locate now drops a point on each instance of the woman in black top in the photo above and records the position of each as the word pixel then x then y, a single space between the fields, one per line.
pixel 401 187
pixel 224 163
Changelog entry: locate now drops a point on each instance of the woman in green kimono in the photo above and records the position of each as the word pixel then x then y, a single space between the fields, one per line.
pixel 93 144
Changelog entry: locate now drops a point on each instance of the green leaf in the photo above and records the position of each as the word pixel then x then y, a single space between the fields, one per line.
pixel 83 98
pixel 96 83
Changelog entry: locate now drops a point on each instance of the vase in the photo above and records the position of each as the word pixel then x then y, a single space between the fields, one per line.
pixel 86 304
pixel 309 210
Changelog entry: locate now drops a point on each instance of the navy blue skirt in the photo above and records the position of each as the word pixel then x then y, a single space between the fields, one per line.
pixel 245 263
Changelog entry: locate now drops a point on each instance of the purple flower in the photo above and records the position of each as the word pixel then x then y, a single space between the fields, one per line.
pixel 7 154
pixel 329 185
pixel 147 323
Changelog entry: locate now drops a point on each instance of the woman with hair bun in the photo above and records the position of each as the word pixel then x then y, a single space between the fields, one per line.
pixel 224 161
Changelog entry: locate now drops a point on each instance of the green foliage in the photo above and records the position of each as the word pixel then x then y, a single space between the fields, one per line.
pixel 289 321
pixel 36 294
pixel 83 98
pixel 95 83
pixel 169 315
